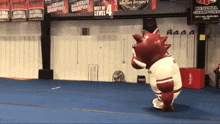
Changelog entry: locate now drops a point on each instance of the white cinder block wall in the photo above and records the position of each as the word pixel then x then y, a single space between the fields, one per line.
pixel 183 47
pixel 109 46
pixel 20 52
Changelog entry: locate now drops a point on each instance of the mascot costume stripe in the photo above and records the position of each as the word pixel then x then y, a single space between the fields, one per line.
pixel 150 52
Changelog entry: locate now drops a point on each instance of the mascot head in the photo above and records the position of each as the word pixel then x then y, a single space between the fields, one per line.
pixel 149 48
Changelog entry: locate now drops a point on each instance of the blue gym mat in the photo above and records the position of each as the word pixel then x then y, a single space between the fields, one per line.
pixel 35 101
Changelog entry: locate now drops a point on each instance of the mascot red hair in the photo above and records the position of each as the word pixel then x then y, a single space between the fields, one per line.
pixel 150 52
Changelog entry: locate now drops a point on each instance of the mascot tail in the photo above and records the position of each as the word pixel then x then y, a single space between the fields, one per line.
pixel 167 100
pixel 166 87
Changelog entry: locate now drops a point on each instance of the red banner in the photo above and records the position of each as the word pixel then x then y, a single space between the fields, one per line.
pixel 80 6
pixel 57 6
pixel 154 6
pixel 19 10
pixel 4 10
pixel 35 9
pixel 105 8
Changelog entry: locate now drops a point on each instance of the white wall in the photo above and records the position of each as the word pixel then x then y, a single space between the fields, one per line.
pixel 20 52
pixel 108 45
pixel 183 47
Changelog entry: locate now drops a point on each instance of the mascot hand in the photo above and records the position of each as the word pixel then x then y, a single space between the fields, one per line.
pixel 137 64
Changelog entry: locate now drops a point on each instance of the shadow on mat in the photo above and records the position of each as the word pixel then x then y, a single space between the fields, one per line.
pixel 180 110
pixel 205 90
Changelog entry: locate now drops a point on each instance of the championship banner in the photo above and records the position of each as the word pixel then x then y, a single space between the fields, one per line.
pixel 56 6
pixel 19 10
pixel 4 10
pixel 133 4
pixel 35 9
pixel 80 6
pixel 105 8
pixel 203 11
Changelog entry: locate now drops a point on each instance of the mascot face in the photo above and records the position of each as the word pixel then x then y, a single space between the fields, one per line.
pixel 149 48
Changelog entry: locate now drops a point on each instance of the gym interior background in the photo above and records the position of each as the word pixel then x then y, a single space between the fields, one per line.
pixel 84 56
pixel 96 56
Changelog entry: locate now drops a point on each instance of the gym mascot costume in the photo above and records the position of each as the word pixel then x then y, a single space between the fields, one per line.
pixel 150 52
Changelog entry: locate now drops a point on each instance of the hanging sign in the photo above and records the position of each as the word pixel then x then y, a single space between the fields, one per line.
pixel 133 4
pixel 35 9
pixel 203 11
pixel 4 10
pixel 19 10
pixel 56 6
pixel 80 6
pixel 105 8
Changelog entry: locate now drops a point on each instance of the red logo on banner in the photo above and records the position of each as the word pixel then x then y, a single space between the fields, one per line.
pixel 36 4
pixel 3 3
pixel 206 2
pixel 19 3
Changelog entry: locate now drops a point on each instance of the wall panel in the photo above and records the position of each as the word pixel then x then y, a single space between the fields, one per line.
pixel 170 41
pixel 191 51
pixel 183 51
pixel 16 49
pixel 106 58
pixel 100 58
pixel 26 57
pixel 109 46
pixel 125 58
pixel 12 69
pixel 112 55
pixel 176 48
pixel 73 58
pixel 60 60
pixel 3 60
pixel 20 48
pixel 182 46
pixel 19 56
pixel 118 54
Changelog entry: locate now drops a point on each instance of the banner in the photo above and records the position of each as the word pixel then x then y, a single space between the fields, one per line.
pixel 35 9
pixel 203 11
pixel 19 10
pixel 105 8
pixel 133 4
pixel 4 10
pixel 56 6
pixel 80 6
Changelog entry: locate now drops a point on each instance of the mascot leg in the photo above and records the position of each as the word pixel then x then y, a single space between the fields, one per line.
pixel 166 87
pixel 157 103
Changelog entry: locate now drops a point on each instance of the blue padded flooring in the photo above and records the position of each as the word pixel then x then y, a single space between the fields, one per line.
pixel 35 101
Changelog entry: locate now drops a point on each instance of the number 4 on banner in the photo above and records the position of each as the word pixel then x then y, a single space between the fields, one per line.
pixel 109 10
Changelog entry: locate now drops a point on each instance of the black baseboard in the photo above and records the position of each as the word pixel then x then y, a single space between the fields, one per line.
pixel 45 74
